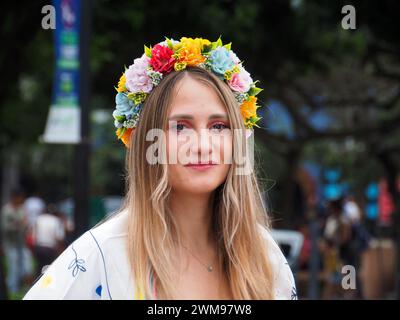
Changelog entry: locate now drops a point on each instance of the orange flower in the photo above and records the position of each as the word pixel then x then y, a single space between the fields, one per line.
pixel 121 83
pixel 190 50
pixel 126 136
pixel 249 107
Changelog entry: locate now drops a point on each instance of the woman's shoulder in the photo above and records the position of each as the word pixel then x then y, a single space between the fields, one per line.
pixel 112 228
pixel 285 287
pixel 84 268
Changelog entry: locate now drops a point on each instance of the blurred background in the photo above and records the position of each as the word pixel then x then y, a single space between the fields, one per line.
pixel 327 152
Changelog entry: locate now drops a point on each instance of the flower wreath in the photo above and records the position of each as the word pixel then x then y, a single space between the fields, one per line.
pixel 146 72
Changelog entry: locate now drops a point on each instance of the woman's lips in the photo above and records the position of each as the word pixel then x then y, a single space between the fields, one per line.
pixel 200 166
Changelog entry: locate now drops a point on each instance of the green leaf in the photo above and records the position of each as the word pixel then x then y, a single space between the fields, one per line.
pixel 219 42
pixel 254 91
pixel 147 51
pixel 206 48
pixel 120 118
pixel 169 43
pixel 122 132
pixel 216 44
pixel 228 46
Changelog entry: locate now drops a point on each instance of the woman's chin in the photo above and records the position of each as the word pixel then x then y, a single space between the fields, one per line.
pixel 201 186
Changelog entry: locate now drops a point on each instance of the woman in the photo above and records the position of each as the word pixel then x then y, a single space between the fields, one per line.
pixel 193 224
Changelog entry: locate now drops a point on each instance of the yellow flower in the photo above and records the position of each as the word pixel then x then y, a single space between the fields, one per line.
pixel 46 281
pixel 121 83
pixel 189 50
pixel 137 97
pixel 178 66
pixel 249 107
pixel 229 74
pixel 190 42
pixel 126 135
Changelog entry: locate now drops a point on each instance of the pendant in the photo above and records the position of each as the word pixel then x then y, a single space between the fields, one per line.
pixel 210 268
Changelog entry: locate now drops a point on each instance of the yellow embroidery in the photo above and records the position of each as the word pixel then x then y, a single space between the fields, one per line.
pixel 47 280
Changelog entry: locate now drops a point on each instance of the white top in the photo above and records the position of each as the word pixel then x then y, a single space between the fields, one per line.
pixel 48 230
pixel 34 207
pixel 96 266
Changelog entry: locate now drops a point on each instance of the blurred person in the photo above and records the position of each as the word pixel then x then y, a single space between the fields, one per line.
pixel 360 236
pixel 305 252
pixel 336 248
pixel 351 210
pixel 48 235
pixel 187 230
pixel 34 206
pixel 14 225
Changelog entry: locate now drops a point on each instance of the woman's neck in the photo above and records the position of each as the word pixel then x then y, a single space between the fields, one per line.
pixel 193 213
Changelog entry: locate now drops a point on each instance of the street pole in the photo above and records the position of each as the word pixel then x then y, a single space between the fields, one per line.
pixel 82 150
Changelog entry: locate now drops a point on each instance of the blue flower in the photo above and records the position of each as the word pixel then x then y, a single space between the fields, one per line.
pixel 121 98
pixel 129 114
pixel 221 60
pixel 122 102
pixel 123 108
pixel 137 108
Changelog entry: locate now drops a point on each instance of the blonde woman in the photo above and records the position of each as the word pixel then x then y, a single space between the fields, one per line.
pixel 193 224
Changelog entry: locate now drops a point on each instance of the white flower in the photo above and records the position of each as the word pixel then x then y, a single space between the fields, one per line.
pixel 137 79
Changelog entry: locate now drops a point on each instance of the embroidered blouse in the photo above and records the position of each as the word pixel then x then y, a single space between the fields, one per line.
pixel 96 266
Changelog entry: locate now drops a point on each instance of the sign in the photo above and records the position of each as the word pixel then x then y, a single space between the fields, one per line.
pixel 63 123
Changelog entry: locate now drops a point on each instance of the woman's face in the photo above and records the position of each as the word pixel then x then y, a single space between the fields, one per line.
pixel 199 139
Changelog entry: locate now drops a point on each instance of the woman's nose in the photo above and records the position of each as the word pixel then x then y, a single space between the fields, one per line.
pixel 202 145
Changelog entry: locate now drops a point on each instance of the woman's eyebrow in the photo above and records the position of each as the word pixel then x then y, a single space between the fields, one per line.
pixel 188 116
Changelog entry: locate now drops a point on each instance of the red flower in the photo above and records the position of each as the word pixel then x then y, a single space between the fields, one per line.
pixel 161 59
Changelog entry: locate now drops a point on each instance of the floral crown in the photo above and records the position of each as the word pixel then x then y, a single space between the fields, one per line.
pixel 146 72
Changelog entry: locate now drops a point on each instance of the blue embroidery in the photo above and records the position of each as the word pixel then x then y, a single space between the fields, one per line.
pixel 294 294
pixel 104 263
pixel 98 290
pixel 76 264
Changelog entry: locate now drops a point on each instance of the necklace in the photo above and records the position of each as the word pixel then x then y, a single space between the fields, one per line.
pixel 208 267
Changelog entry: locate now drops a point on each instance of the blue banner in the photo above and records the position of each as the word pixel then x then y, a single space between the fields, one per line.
pixel 66 40
pixel 64 119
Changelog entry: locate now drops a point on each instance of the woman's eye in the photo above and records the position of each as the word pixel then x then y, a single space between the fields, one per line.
pixel 219 126
pixel 178 127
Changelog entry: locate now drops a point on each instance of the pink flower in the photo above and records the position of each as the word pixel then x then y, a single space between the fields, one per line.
pixel 161 59
pixel 137 79
pixel 241 81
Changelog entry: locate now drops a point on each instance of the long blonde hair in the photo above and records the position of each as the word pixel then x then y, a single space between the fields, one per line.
pixel 238 209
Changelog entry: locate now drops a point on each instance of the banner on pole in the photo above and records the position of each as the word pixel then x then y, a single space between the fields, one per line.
pixel 64 119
